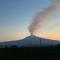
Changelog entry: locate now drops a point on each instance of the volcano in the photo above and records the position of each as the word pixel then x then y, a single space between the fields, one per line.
pixel 31 41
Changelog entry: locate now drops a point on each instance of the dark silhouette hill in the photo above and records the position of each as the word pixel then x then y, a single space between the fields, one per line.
pixel 31 41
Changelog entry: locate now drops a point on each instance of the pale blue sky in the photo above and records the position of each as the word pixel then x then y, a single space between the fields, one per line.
pixel 16 15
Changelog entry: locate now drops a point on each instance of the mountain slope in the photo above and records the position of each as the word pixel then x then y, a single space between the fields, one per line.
pixel 30 41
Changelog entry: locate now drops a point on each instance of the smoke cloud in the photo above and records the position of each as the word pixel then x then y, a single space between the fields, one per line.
pixel 40 16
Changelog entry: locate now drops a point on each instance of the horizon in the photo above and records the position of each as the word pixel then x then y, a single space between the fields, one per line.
pixel 31 41
pixel 30 36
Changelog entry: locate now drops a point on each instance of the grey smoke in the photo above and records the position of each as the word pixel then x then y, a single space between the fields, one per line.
pixel 40 16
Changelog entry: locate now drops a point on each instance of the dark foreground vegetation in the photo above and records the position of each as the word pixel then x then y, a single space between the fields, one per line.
pixel 30 53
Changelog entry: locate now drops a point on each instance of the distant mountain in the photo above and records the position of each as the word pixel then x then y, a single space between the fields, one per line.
pixel 31 41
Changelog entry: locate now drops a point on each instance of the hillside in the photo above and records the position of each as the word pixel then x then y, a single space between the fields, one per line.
pixel 31 41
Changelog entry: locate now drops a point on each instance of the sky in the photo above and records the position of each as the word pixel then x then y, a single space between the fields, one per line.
pixel 16 16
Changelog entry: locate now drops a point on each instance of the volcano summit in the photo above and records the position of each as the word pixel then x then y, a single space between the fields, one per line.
pixel 31 41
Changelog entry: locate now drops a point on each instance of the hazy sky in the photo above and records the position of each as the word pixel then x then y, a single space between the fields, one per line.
pixel 16 15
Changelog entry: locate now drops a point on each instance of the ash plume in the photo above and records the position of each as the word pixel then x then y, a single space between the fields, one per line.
pixel 40 16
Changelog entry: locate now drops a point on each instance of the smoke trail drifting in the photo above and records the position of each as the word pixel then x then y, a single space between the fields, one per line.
pixel 39 18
